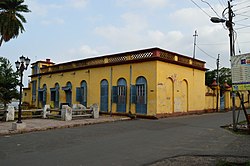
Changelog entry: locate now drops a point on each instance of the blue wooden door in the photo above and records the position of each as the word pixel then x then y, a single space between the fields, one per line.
pixel 104 96
pixel 84 93
pixel 69 97
pixel 42 95
pixel 68 92
pixel 121 95
pixel 54 95
pixel 141 95
pixel 57 96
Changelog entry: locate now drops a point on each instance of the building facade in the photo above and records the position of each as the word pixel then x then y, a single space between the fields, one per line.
pixel 151 82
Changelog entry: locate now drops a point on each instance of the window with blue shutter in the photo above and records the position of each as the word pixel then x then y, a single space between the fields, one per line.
pixel 34 85
pixel 52 94
pixel 57 96
pixel 78 94
pixel 40 95
pixel 133 94
pixel 114 94
pixel 84 93
pixel 104 96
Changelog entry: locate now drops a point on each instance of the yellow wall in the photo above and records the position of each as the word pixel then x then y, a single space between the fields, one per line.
pixel 170 88
pixel 94 76
pixel 179 88
pixel 26 95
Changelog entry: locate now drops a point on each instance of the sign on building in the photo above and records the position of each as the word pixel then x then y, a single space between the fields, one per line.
pixel 240 65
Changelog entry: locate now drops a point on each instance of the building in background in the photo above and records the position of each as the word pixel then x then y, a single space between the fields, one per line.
pixel 150 82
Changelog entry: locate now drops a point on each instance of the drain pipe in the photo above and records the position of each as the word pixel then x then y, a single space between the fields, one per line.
pixel 111 75
pixel 130 98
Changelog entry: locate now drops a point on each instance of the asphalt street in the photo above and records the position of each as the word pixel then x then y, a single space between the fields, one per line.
pixel 135 142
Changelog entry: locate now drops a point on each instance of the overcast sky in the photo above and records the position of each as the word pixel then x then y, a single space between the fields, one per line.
pixel 66 30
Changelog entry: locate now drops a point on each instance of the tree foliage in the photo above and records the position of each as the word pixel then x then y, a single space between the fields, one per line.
pixel 224 75
pixel 11 20
pixel 8 82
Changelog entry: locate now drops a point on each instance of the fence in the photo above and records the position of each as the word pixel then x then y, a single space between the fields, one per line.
pixel 66 113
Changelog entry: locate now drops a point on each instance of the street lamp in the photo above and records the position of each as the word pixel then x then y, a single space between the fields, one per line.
pixel 21 66
pixel 229 24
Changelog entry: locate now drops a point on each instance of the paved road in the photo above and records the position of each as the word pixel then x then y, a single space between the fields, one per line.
pixel 136 142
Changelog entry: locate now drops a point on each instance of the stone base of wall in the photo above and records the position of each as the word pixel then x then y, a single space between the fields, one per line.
pixel 158 116
pixel 198 112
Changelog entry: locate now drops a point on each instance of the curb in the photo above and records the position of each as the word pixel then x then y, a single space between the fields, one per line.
pixel 12 132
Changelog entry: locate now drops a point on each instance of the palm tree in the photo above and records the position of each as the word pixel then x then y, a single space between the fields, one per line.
pixel 10 19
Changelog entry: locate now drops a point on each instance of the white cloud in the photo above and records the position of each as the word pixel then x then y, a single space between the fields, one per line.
pixel 57 21
pixel 128 34
pixel 156 36
pixel 41 9
pixel 77 3
pixel 150 4
pixel 155 4
pixel 83 51
pixel 87 50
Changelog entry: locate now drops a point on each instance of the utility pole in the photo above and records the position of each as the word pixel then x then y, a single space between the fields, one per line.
pixel 218 83
pixel 229 25
pixel 195 37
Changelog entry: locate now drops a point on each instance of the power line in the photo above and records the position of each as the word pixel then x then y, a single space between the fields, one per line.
pixel 248 26
pixel 205 52
pixel 211 44
pixel 222 4
pixel 223 60
pixel 242 8
pixel 239 3
pixel 200 8
pixel 211 7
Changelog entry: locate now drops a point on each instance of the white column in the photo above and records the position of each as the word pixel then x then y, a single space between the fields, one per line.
pixel 66 112
pixel 10 116
pixel 95 111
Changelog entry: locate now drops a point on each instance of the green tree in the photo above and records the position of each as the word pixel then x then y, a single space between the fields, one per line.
pixel 224 75
pixel 11 20
pixel 8 82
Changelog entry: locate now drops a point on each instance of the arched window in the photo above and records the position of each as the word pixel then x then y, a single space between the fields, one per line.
pixel 121 93
pixel 42 95
pixel 68 92
pixel 104 96
pixel 141 95
pixel 54 95
pixel 81 93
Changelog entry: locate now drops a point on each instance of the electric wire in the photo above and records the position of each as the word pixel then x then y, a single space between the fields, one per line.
pixel 223 60
pixel 205 52
pixel 221 2
pixel 201 8
pixel 239 3
pixel 236 10
pixel 211 7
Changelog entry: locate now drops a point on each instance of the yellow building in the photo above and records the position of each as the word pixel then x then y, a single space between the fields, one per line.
pixel 151 82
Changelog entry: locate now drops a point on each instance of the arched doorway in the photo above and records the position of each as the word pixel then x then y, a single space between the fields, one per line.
pixel 84 93
pixel 184 96
pixel 141 95
pixel 170 95
pixel 121 95
pixel 42 93
pixel 104 96
pixel 68 92
pixel 54 95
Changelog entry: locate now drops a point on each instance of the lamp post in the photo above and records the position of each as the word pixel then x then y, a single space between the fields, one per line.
pixel 21 66
pixel 229 24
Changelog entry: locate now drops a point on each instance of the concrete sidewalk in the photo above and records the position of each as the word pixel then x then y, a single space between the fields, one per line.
pixel 48 124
